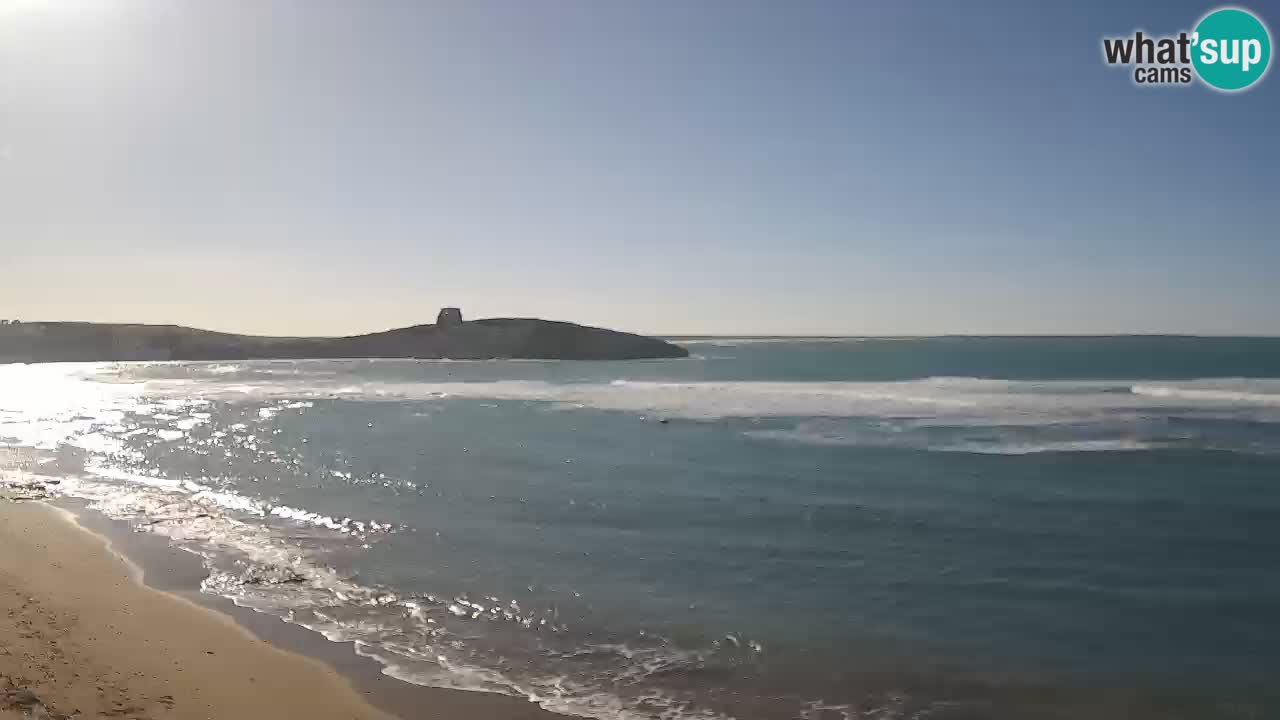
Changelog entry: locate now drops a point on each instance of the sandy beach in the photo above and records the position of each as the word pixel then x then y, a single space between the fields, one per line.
pixel 81 637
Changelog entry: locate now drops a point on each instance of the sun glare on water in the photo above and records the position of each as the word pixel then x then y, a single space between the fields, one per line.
pixel 44 405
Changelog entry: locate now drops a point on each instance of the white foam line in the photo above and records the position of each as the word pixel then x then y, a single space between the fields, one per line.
pixel 960 400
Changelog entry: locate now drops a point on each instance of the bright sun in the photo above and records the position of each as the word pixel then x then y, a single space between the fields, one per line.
pixel 14 8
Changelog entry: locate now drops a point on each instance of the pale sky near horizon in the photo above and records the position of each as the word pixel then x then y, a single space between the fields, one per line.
pixel 661 166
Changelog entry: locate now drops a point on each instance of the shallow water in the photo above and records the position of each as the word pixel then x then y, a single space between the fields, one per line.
pixel 889 528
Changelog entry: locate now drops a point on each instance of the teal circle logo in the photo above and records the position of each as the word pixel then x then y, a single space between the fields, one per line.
pixel 1232 49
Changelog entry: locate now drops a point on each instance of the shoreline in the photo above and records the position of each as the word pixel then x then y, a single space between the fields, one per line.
pixel 154 646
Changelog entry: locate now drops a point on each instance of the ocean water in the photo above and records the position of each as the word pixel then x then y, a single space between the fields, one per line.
pixel 837 528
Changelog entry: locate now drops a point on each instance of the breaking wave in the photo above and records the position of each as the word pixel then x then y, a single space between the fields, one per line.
pixel 1243 392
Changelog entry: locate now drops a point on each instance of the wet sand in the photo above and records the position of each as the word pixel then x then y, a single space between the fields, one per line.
pixel 81 635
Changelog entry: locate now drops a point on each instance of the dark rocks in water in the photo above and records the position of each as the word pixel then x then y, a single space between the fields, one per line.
pixel 18 492
pixel 23 698
pixel 271 575
pixel 450 337
pixel 449 317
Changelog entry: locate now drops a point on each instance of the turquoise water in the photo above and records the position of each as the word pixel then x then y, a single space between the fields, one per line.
pixel 886 528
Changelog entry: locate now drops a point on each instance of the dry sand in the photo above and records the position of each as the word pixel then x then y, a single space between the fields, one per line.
pixel 81 634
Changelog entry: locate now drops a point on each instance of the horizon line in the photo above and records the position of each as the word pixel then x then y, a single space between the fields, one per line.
pixel 676 337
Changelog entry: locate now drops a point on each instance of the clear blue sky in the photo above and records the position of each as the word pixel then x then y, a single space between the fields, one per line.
pixel 664 166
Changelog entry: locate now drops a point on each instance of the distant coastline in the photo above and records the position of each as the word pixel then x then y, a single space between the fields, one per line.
pixel 448 337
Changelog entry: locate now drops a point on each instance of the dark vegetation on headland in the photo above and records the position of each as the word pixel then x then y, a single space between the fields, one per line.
pixel 449 337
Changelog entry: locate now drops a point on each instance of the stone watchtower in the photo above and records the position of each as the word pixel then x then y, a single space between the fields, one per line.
pixel 449 317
